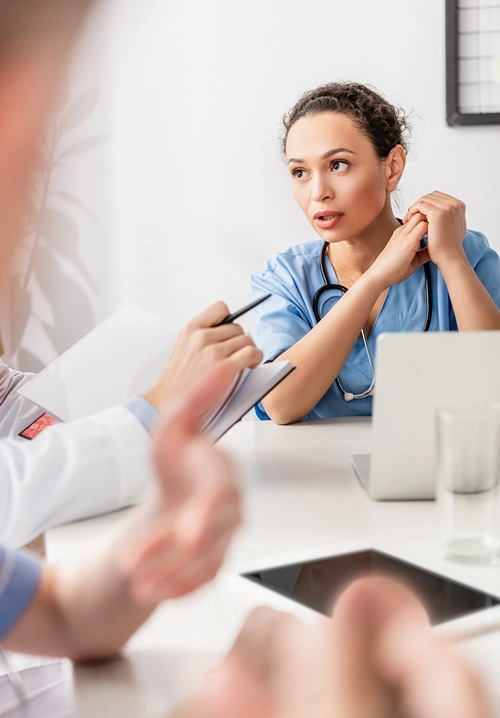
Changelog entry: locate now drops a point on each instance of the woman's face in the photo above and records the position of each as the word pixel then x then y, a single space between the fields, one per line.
pixel 338 179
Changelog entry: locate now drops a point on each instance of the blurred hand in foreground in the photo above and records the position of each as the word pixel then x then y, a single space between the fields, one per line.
pixel 377 658
pixel 185 529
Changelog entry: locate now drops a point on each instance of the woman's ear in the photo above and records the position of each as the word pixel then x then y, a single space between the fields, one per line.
pixel 396 163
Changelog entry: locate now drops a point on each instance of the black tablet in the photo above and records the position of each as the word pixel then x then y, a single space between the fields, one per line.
pixel 318 583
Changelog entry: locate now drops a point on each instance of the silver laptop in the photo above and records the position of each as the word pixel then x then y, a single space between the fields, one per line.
pixel 416 374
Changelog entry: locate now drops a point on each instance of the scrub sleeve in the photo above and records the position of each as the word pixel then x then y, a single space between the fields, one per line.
pixel 20 575
pixel 294 276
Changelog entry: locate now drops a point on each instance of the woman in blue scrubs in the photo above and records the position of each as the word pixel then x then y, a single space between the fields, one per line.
pixel 346 152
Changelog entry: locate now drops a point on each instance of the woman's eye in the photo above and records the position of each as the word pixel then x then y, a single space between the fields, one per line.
pixel 299 174
pixel 339 166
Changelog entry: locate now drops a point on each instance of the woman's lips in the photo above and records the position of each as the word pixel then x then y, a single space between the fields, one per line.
pixel 327 220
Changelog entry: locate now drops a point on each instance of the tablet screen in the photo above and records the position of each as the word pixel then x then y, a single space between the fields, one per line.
pixel 317 584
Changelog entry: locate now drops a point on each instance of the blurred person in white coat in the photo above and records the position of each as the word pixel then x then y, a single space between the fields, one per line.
pixel 176 540
pixel 101 463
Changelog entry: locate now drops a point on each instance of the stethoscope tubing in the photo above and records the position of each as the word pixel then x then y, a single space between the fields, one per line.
pixel 327 286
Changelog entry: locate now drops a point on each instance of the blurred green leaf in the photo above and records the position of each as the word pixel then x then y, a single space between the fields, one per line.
pixel 79 148
pixel 72 311
pixel 77 203
pixel 28 361
pixel 80 266
pixel 20 311
pixel 63 94
pixel 31 211
pixel 47 268
pixel 80 110
pixel 60 231
pixel 68 300
pixel 41 161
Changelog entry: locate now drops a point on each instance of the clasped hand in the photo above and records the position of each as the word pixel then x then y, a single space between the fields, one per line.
pixel 439 216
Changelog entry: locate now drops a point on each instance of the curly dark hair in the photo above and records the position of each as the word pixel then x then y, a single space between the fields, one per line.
pixel 384 124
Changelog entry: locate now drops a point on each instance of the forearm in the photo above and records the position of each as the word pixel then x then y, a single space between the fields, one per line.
pixel 474 309
pixel 83 611
pixel 321 354
pixel 96 609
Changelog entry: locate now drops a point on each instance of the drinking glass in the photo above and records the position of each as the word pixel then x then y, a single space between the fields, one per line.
pixel 468 483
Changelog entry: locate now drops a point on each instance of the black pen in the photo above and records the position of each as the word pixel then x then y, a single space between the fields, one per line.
pixel 231 317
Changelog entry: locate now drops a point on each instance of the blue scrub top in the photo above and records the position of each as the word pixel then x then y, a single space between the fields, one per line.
pixel 294 276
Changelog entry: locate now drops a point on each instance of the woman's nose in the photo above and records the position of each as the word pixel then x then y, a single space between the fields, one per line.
pixel 321 189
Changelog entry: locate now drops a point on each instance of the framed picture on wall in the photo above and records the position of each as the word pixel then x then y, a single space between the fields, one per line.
pixel 472 62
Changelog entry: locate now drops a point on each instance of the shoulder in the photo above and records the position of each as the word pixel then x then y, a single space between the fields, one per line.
pixel 476 246
pixel 292 260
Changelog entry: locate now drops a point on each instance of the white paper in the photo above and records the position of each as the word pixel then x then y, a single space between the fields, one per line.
pixel 120 358
pixel 256 384
pixel 217 409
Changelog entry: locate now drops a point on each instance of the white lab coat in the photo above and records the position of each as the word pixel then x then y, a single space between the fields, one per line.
pixel 70 471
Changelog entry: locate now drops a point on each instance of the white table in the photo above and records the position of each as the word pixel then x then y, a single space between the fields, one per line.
pixel 302 500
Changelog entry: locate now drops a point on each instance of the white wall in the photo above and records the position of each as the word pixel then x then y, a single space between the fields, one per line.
pixel 201 196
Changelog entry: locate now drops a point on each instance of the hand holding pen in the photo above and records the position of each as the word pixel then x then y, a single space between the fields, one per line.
pixel 231 317
pixel 210 337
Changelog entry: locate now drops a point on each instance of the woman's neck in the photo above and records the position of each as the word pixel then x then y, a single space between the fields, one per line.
pixel 354 256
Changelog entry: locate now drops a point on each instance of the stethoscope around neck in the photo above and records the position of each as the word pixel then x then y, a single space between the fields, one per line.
pixel 328 287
